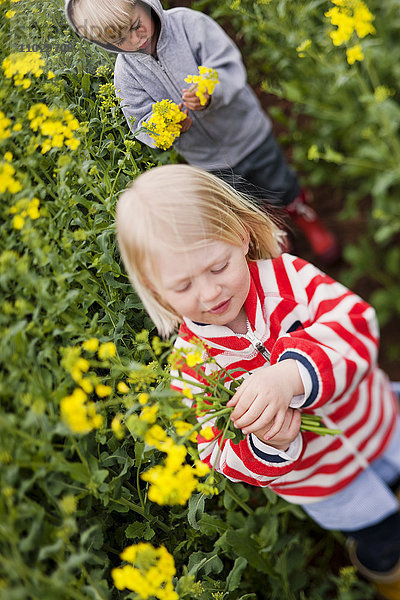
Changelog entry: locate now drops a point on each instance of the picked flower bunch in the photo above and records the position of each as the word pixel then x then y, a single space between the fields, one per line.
pixel 204 82
pixel 210 404
pixel 137 400
pixel 164 124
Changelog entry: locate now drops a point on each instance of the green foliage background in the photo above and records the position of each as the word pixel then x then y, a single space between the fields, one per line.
pixel 62 282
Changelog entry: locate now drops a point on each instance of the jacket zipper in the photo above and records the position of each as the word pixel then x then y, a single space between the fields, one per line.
pixel 257 344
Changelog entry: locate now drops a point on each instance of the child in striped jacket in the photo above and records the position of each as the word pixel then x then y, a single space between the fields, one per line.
pixel 205 259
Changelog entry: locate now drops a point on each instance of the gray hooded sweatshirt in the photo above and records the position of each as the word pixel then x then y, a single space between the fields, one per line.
pixel 233 124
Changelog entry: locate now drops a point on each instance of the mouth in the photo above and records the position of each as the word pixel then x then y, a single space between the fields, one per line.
pixel 220 308
pixel 144 45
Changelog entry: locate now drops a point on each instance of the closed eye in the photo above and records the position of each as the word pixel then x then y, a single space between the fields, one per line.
pixel 220 268
pixel 133 27
pixel 183 288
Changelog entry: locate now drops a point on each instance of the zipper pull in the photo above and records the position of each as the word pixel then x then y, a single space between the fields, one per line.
pixel 257 344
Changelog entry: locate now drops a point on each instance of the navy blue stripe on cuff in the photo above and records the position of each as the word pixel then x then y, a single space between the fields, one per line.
pixel 272 458
pixel 314 379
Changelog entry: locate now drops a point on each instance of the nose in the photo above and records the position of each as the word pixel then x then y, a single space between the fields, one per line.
pixel 210 292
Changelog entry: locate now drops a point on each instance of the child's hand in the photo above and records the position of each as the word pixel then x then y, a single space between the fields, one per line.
pixel 288 433
pixel 262 400
pixel 186 123
pixel 192 102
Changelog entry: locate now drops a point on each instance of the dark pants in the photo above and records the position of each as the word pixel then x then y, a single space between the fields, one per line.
pixel 378 546
pixel 264 174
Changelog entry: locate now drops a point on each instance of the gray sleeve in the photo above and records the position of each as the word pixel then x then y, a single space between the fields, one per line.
pixel 214 48
pixel 136 104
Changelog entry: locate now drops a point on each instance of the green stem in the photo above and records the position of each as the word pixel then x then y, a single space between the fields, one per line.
pixel 237 499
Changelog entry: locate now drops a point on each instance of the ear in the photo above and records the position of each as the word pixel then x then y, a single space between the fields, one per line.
pixel 246 242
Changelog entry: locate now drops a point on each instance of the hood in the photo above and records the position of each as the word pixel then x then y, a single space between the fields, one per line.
pixel 155 5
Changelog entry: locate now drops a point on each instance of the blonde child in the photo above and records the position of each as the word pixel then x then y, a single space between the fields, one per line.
pixel 230 135
pixel 206 260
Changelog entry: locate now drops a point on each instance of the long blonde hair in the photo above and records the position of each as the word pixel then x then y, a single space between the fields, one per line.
pixel 180 208
pixel 102 20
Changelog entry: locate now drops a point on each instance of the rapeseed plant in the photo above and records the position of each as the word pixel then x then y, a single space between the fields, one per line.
pixel 204 83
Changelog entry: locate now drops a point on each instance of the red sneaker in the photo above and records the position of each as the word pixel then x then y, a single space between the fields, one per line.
pixel 322 241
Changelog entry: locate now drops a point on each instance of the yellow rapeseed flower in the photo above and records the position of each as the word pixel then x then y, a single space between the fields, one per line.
pixel 149 414
pixel 91 345
pixel 204 82
pixel 164 124
pixel 78 414
pixel 5 123
pixel 8 183
pixel 106 350
pixel 103 390
pixel 354 53
pixel 55 125
pixel 117 428
pixel 194 358
pixel 122 387
pixel 149 573
pixel 20 64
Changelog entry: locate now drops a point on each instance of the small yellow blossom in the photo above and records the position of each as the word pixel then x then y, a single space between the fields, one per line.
pixel 68 504
pixel 194 358
pixel 303 46
pixel 9 14
pixel 5 123
pixel 91 345
pixel 207 433
pixel 50 75
pixel 103 390
pixel 149 414
pixel 7 180
pixel 117 428
pixel 187 392
pixel 143 398
pixel 8 156
pixel 381 93
pixel 106 350
pixel 122 387
pixel 354 53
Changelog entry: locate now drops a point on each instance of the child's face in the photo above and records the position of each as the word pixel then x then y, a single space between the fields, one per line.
pixel 207 285
pixel 142 33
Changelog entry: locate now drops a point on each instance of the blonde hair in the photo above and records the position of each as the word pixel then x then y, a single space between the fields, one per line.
pixel 180 208
pixel 102 20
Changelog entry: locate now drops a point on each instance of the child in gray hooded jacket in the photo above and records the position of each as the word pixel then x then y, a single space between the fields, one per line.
pixel 230 135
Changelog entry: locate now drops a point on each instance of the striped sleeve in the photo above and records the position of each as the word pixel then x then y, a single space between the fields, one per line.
pixel 338 340
pixel 251 460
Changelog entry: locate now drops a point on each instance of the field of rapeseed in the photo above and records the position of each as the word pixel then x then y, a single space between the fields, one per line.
pixel 102 495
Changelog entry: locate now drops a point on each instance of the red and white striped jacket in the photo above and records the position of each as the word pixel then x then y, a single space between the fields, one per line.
pixel 298 312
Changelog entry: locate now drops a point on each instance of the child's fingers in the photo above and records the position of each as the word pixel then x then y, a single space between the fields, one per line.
pixel 256 416
pixel 277 425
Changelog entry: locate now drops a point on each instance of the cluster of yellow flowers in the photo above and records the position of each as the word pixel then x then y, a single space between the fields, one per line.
pixel 175 481
pixel 149 573
pixel 164 124
pixel 19 65
pixel 350 16
pixel 23 209
pixel 108 96
pixel 7 179
pixel 76 412
pixel 55 124
pixel 204 82
pixel 80 416
pixel 5 123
